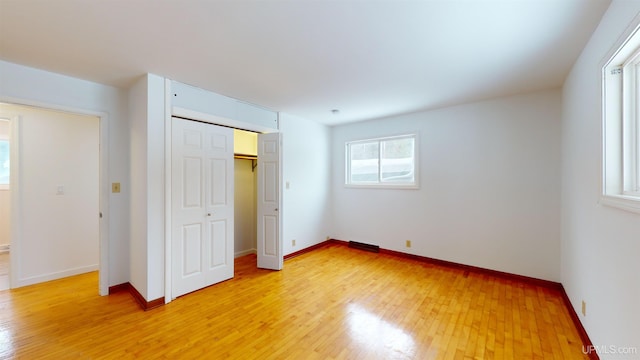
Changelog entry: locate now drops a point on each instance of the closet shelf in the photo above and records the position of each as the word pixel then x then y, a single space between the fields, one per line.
pixel 245 156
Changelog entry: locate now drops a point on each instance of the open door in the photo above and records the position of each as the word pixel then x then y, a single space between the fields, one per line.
pixel 270 253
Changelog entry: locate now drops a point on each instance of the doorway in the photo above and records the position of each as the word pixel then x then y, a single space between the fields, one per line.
pixel 54 193
pixel 257 197
pixel 245 146
pixel 5 244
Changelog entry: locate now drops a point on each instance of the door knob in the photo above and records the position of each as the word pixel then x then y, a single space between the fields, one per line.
pixel 276 209
pixel 208 214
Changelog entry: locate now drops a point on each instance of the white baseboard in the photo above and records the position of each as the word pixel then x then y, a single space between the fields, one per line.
pixel 54 276
pixel 245 252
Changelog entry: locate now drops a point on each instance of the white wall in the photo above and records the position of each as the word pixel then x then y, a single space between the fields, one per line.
pixel 307 169
pixel 23 84
pixel 138 238
pixel 59 181
pixel 146 100
pixel 245 142
pixel 489 186
pixel 600 245
pixel 4 195
pixel 244 207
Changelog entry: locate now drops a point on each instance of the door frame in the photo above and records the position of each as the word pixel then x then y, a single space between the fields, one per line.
pixel 174 111
pixel 103 187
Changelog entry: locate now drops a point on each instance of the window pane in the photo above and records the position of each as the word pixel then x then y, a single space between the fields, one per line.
pixel 636 141
pixel 397 160
pixel 364 162
pixel 4 162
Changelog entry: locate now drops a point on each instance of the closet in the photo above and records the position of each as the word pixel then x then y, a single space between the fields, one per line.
pixel 245 193
pixel 251 188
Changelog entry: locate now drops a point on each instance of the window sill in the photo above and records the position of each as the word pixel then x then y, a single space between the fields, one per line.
pixel 382 186
pixel 623 202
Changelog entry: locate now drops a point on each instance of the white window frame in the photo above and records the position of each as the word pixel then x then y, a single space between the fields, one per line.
pixel 5 138
pixel 386 184
pixel 621 123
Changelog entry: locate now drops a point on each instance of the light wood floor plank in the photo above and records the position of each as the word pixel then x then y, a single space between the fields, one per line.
pixel 332 303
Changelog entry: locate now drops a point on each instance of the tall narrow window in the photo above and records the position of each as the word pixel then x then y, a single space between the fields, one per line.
pixel 4 162
pixel 4 154
pixel 621 125
pixel 382 162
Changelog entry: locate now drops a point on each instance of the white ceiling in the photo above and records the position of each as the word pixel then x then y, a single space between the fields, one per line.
pixel 369 59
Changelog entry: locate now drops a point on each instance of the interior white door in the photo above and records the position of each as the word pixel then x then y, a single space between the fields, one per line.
pixel 202 205
pixel 270 255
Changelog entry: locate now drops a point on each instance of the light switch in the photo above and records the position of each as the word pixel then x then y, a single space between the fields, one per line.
pixel 60 190
pixel 287 185
pixel 115 187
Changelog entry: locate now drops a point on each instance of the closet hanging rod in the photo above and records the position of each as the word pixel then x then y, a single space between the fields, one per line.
pixel 245 156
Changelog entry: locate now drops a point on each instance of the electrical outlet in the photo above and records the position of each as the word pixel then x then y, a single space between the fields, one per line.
pixel 115 187
pixel 408 243
pixel 293 242
pixel 584 308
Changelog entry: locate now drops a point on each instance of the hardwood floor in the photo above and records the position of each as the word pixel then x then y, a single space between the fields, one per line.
pixel 332 303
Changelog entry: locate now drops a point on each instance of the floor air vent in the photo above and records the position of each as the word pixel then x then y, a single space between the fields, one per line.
pixel 363 246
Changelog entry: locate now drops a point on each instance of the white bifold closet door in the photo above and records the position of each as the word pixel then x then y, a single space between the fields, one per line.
pixel 270 252
pixel 202 205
